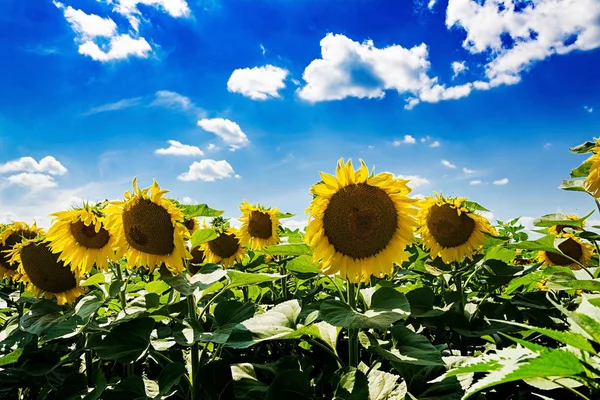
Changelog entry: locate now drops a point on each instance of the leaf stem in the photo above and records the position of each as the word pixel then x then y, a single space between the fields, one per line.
pixel 194 349
pixel 342 297
pixel 314 342
pixel 352 332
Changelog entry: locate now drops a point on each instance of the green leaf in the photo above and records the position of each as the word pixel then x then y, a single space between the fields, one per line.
pixel 583 148
pixel 126 342
pixel 186 285
pixel 327 333
pixel 233 312
pixel 285 215
pixel 238 278
pixel 202 236
pixel 290 385
pixel 12 357
pixel 473 206
pixel 582 171
pixel 115 288
pixel 303 265
pixel 187 332
pixel 351 384
pixel 95 279
pixel 131 388
pixel 383 385
pixel 41 317
pixel 545 243
pixel 499 253
pixel 199 210
pixel 411 344
pixel 158 287
pixel 290 249
pixel 170 376
pixel 573 185
pixel 585 320
pixel 387 307
pixel 87 306
pixel 560 219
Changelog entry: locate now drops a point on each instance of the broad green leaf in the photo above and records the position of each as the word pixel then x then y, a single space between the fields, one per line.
pixel 129 388
pixel 285 215
pixel 66 328
pixel 583 148
pixel 233 312
pixel 87 306
pixel 499 253
pixel 420 355
pixel 582 171
pixel 383 385
pixel 158 287
pixel 187 332
pixel 170 376
pixel 326 332
pixel 545 243
pixel 473 206
pixel 202 236
pixel 573 185
pixel 238 278
pixel 585 320
pixel 411 344
pixel 199 210
pixel 12 357
pixel 126 342
pixel 290 249
pixel 560 219
pixel 186 285
pixel 41 317
pixel 95 279
pixel 387 307
pixel 302 264
pixel 290 385
pixel 352 384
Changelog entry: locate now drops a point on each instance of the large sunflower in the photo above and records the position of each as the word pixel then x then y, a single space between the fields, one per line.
pixel 11 235
pixel 225 249
pixel 81 238
pixel 560 229
pixel 149 229
pixel 449 230
pixel 573 247
pixel 259 226
pixel 359 225
pixel 44 273
pixel 592 181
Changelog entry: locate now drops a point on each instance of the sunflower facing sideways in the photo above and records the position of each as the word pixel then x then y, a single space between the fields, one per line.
pixel 560 229
pixel 225 249
pixel 592 181
pixel 81 238
pixel 359 225
pixel 259 226
pixel 449 230
pixel 10 235
pixel 191 224
pixel 148 229
pixel 44 273
pixel 574 248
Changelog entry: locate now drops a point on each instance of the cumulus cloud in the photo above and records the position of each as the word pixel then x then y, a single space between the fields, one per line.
pixel 435 144
pixel 258 83
pixel 32 180
pixel 294 224
pixel 502 181
pixel 415 181
pixel 129 8
pixel 207 171
pixel 448 164
pixel 408 139
pixel 179 149
pixel 120 48
pixel 87 26
pixel 458 68
pixel 47 164
pixel 475 182
pixel 227 130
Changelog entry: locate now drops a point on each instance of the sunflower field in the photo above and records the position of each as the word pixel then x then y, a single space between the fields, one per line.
pixel 383 296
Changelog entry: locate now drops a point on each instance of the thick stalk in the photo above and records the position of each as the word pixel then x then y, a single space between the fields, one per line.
pixel 122 291
pixel 88 367
pixel 461 306
pixel 352 333
pixel 194 350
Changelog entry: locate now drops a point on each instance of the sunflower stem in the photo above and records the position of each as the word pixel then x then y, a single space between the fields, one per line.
pixel 122 291
pixel 88 367
pixel 352 333
pixel 195 351
pixel 461 305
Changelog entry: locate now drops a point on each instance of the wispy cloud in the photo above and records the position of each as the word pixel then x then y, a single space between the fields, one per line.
pixel 435 143
pixel 547 145
pixel 448 164
pixel 475 182
pixel 468 171
pixel 502 181
pixel 588 109
pixel 117 105
pixel 162 98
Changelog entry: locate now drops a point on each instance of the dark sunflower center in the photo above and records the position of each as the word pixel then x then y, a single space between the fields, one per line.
pixel 447 227
pixel 45 271
pixel 197 255
pixel 259 225
pixel 225 245
pixel 360 220
pixel 571 248
pixel 11 240
pixel 148 228
pixel 189 224
pixel 86 235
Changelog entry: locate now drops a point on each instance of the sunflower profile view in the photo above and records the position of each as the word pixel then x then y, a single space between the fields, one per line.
pixel 574 248
pixel 191 224
pixel 225 249
pixel 10 235
pixel 44 273
pixel 149 229
pixel 592 181
pixel 449 230
pixel 259 226
pixel 81 238
pixel 359 225
pixel 560 229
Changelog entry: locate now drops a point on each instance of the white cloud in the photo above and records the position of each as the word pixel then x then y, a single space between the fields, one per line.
pixel 258 83
pixel 166 98
pixel 188 200
pixel 211 146
pixel 227 130
pixel 431 4
pixel 32 180
pixel 502 181
pixel 468 171
pixel 129 8
pixel 179 149
pixel 117 105
pixel 207 171
pixel 588 109
pixel 47 164
pixel 475 182
pixel 415 180
pixel 263 49
pixel 88 26
pixel 458 68
pixel 537 31
pixel 120 48
pixel 408 139
pixel 448 164
pixel 424 139
pixel 435 144
pixel 487 214
pixel 294 224
pixel 547 145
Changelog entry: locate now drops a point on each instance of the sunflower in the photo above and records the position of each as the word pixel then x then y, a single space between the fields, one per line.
pixel 573 247
pixel 592 181
pixel 359 225
pixel 81 238
pixel 191 224
pixel 44 273
pixel 197 259
pixel 225 249
pixel 11 235
pixel 259 226
pixel 449 230
pixel 560 229
pixel 148 229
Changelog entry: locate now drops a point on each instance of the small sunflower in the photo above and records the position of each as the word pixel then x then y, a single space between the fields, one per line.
pixel 196 261
pixel 560 229
pixel 573 247
pixel 191 224
pixel 44 273
pixel 81 238
pixel 225 249
pixel 148 229
pixel 592 181
pixel 359 225
pixel 11 235
pixel 448 230
pixel 259 226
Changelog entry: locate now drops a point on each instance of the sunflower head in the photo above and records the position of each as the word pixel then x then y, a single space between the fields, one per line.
pixel 573 247
pixel 149 229
pixel 44 273
pixel 191 224
pixel 449 230
pixel 259 226
pixel 11 235
pixel 560 229
pixel 196 261
pixel 359 223
pixel 225 249
pixel 592 181
pixel 81 238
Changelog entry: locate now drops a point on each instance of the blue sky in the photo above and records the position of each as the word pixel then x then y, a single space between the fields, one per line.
pixel 226 100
